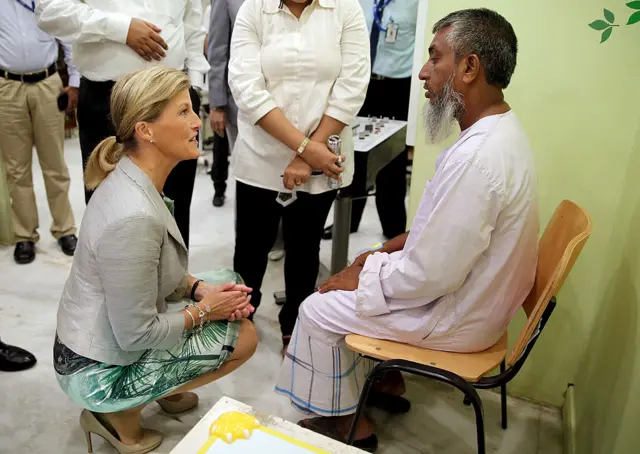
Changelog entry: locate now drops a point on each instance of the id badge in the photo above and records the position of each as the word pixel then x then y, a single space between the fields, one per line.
pixel 392 33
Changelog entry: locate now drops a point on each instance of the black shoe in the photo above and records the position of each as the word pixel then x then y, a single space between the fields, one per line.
pixel 68 244
pixel 369 444
pixel 328 232
pixel 395 405
pixel 25 252
pixel 218 200
pixel 13 359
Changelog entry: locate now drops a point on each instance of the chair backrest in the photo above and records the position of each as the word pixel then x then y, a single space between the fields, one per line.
pixel 559 248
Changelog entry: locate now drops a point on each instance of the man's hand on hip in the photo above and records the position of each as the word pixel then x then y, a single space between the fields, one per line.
pixel 144 38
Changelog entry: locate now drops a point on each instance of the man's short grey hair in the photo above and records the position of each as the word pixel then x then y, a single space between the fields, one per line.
pixel 486 34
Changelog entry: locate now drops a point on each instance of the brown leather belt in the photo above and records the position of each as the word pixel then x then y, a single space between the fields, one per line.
pixel 30 78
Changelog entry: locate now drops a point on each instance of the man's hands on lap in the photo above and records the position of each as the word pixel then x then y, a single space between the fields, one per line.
pixel 348 280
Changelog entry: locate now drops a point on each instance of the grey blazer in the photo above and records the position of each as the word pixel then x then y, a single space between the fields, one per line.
pixel 223 16
pixel 129 260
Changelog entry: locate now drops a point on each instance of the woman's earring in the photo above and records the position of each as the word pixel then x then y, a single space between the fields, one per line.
pixel 150 140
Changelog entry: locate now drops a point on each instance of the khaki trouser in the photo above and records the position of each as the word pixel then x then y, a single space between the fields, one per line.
pixel 29 116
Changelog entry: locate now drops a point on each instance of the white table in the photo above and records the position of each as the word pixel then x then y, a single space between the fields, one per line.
pixel 197 436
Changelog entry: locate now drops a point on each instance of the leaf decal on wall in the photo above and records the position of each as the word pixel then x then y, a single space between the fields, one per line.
pixel 599 25
pixel 606 26
pixel 608 15
pixel 635 18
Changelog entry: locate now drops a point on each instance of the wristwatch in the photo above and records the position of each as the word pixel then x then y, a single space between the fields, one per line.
pixel 303 145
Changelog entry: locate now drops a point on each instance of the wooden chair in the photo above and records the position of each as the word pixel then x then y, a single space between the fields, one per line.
pixel 560 245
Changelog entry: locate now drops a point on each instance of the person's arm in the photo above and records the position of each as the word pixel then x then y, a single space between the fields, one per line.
pixel 328 126
pixel 393 245
pixel 456 234
pixel 128 270
pixel 74 79
pixel 74 75
pixel 246 80
pixel 350 89
pixel 218 52
pixel 75 21
pixel 194 42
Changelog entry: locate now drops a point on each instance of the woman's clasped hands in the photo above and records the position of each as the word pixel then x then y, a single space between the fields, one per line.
pixel 228 301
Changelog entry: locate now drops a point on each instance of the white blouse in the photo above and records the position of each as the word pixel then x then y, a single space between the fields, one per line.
pixel 308 67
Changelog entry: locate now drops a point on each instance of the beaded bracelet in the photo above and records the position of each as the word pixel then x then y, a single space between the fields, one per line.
pixel 193 289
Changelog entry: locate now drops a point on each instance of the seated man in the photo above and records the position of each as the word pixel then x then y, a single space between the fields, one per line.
pixel 457 278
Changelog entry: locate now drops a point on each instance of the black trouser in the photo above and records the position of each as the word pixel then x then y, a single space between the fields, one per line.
pixel 257 218
pixel 94 124
pixel 220 165
pixel 386 98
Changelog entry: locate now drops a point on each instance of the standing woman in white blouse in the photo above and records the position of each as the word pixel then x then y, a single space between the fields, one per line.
pixel 298 72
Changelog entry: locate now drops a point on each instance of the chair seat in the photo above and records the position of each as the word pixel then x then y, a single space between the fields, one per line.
pixel 470 366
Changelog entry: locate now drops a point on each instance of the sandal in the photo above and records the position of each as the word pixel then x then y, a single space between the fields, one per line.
pixel 325 426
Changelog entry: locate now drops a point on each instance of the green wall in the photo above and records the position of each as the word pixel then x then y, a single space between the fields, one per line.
pixel 579 101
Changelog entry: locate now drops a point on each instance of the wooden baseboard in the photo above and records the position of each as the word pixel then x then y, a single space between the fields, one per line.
pixel 569 422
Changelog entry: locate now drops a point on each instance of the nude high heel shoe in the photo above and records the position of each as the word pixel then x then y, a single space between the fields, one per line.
pixel 151 439
pixel 187 401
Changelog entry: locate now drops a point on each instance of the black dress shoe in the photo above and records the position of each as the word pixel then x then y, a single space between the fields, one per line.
pixel 328 232
pixel 25 252
pixel 218 200
pixel 13 359
pixel 68 244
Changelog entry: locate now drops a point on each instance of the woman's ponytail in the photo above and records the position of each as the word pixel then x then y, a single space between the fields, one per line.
pixel 102 161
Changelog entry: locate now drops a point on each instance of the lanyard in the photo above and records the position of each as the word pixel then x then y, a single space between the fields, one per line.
pixel 31 8
pixel 379 5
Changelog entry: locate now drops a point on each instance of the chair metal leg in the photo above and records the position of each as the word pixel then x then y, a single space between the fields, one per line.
pixel 377 373
pixel 503 397
pixel 424 371
pixel 477 407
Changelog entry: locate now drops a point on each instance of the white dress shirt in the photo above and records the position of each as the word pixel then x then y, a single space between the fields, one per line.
pixel 470 259
pixel 309 67
pixel 24 48
pixel 98 30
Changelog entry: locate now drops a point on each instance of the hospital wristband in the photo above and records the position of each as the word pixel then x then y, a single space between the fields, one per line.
pixel 376 247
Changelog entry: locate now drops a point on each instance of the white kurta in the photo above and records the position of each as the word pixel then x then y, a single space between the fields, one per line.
pixel 467 266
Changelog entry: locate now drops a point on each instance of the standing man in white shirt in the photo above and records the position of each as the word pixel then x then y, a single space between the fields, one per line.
pixel 29 115
pixel 455 281
pixel 112 38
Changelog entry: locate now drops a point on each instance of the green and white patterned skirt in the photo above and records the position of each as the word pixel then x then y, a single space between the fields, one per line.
pixel 106 388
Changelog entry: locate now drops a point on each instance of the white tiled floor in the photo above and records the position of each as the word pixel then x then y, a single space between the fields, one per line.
pixel 36 417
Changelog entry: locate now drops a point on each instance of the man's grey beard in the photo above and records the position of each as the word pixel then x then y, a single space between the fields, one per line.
pixel 439 116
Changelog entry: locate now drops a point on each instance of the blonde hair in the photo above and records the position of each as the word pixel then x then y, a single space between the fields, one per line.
pixel 138 96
